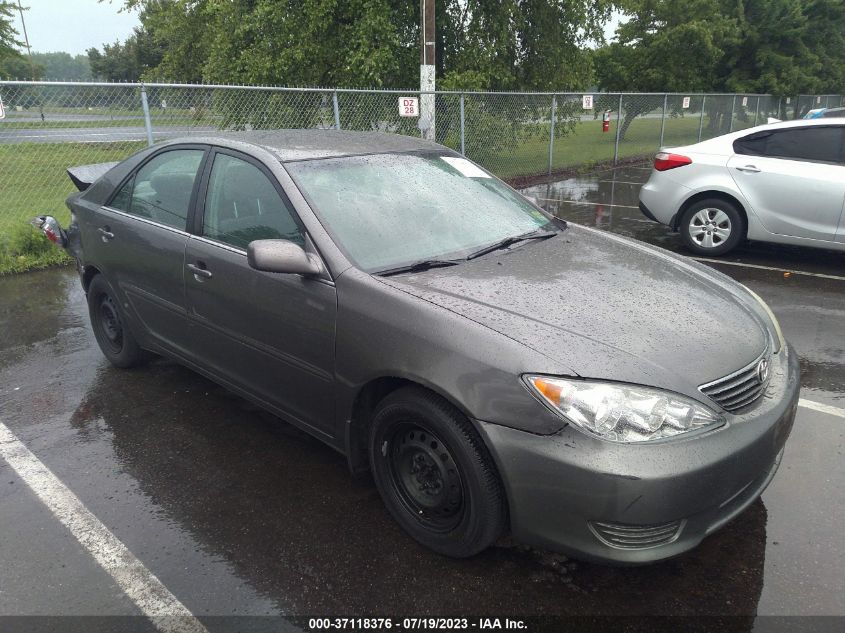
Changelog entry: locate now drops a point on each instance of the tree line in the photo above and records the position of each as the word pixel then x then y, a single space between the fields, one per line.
pixel 782 47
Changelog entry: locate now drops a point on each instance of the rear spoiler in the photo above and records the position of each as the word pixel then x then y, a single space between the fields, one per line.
pixel 84 175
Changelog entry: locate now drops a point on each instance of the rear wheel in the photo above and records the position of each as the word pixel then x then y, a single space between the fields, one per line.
pixel 712 227
pixel 435 474
pixel 114 338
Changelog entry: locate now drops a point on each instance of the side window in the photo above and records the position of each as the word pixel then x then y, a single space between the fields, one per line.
pixel 817 143
pixel 753 144
pixel 123 199
pixel 242 205
pixel 161 189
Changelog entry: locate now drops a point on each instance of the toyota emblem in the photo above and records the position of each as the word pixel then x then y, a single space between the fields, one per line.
pixel 763 371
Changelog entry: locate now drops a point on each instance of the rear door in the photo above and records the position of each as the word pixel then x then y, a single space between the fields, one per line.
pixel 793 178
pixel 140 242
pixel 271 335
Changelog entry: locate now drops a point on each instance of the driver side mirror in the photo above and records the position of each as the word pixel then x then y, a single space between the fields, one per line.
pixel 282 256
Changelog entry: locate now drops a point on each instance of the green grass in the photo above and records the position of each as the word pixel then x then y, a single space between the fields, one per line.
pixel 33 182
pixel 587 144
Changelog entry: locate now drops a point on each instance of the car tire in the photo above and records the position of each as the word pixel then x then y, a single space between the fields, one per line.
pixel 712 227
pixel 110 328
pixel 435 474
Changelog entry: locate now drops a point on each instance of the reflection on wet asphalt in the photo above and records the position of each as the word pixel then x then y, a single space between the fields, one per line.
pixel 238 513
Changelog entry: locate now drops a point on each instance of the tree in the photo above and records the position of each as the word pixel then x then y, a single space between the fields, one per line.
pixel 481 44
pixel 782 47
pixel 9 43
pixel 64 66
pixel 127 61
pixel 10 57
pixel 756 46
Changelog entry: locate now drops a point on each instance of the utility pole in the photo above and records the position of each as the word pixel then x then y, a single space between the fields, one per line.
pixel 426 68
pixel 29 52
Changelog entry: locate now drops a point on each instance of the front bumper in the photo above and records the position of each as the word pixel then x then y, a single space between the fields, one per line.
pixel 564 490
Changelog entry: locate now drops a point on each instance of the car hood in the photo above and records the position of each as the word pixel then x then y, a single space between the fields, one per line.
pixel 602 306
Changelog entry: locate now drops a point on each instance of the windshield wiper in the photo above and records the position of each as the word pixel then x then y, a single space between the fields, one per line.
pixel 417 267
pixel 538 234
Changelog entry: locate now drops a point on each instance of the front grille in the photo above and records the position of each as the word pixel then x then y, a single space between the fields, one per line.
pixel 740 388
pixel 636 536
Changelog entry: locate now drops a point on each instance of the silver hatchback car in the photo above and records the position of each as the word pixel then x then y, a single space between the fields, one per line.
pixel 783 182
pixel 493 367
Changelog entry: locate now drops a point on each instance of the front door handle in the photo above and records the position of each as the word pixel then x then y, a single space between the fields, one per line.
pixel 106 233
pixel 749 169
pixel 199 271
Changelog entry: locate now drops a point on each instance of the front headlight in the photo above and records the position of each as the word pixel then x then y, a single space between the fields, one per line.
pixel 623 413
pixel 780 341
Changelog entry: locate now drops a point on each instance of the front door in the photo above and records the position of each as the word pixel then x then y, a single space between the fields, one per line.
pixel 269 334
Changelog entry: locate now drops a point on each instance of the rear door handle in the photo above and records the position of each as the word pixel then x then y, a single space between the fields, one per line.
pixel 749 169
pixel 199 271
pixel 107 235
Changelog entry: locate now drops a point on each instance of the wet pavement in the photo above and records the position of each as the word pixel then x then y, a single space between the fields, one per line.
pixel 237 513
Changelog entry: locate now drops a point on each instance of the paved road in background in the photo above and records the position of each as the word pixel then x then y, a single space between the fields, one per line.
pixel 237 513
pixel 96 134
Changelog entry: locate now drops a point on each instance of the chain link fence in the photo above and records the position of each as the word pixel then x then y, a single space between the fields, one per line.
pixel 49 126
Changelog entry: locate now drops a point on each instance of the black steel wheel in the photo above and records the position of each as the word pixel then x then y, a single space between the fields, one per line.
pixel 110 328
pixel 435 474
pixel 425 477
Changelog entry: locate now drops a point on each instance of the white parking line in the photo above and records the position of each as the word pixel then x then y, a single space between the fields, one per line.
pixel 823 408
pixel 623 182
pixel 602 204
pixel 780 270
pixel 137 582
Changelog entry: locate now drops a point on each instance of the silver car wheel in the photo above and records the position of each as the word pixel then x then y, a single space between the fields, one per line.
pixel 710 227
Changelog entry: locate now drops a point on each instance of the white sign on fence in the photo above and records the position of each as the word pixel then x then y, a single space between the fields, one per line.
pixel 685 103
pixel 818 99
pixel 2 109
pixel 788 100
pixel 409 106
pixel 587 102
pixel 745 101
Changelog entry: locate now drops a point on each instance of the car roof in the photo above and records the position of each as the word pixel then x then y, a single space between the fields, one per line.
pixel 292 145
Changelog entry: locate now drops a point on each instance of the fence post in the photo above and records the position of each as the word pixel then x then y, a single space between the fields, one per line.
pixel 733 107
pixel 701 118
pixel 757 111
pixel 463 147
pixel 336 110
pixel 663 119
pixel 780 101
pixel 146 108
pixel 618 130
pixel 552 133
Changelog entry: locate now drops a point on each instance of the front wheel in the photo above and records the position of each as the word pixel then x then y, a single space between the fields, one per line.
pixel 114 338
pixel 712 227
pixel 434 473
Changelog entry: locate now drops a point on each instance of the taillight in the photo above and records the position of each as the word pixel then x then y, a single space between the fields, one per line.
pixel 665 160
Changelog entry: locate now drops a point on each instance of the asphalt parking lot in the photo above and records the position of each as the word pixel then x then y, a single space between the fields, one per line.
pixel 236 513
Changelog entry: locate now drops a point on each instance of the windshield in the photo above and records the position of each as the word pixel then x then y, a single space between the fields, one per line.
pixel 389 210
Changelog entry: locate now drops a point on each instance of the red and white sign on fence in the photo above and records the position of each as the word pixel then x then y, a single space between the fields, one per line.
pixel 409 106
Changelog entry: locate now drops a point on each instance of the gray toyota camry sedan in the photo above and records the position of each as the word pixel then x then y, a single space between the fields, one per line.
pixel 496 369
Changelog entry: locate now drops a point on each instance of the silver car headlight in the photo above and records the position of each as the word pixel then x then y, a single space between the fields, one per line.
pixel 623 413
pixel 780 341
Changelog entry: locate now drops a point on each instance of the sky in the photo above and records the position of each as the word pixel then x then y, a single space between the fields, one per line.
pixel 74 26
